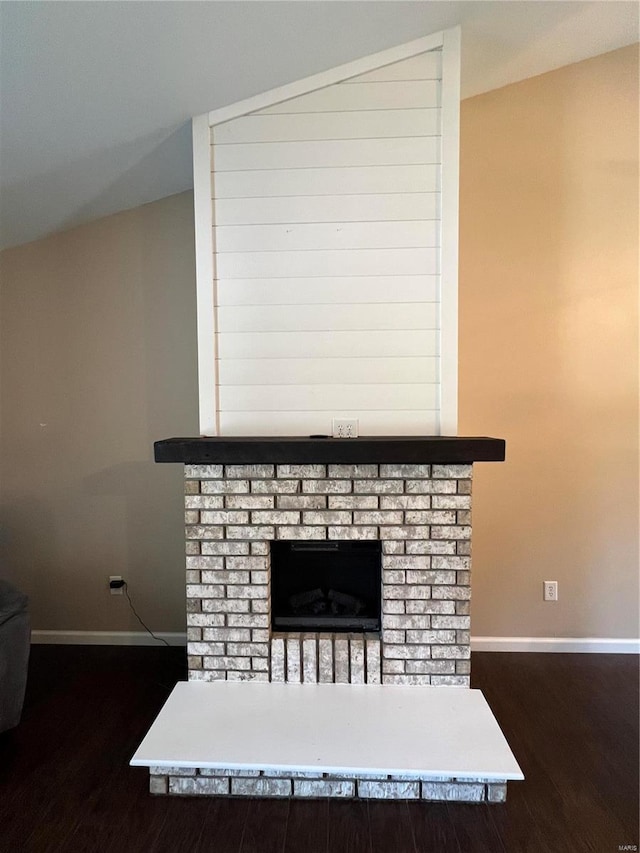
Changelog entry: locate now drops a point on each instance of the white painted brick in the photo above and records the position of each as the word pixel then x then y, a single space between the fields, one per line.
pixel 199 531
pixel 326 517
pixel 393 667
pixel 453 791
pixel 463 637
pixel 430 487
pixel 450 680
pixel 191 517
pixel 205 563
pixel 194 577
pixel 203 619
pixel 248 620
pixel 388 790
pixel 204 590
pixel 406 562
pixel 341 660
pixel 260 577
pixel 302 471
pixel 408 680
pixel 393 576
pixel 194 662
pixel 405 471
pixel 302 532
pixel 452 532
pixel 250 532
pixel 405 592
pixel 429 516
pixel 428 607
pixel 301 501
pixel 392 546
pixel 377 487
pixel 225 635
pixel 225 547
pixel 203 501
pixel 353 501
pixel 451 562
pixel 224 605
pixel 451 593
pixel 463 578
pixel 394 636
pixel 450 652
pixel 250 675
pixel 464 487
pixel 194 635
pixel 261 787
pixel 452 472
pixel 191 487
pixel 431 577
pixel 326 487
pixel 224 516
pixel 277 659
pixel 216 648
pixel 203 785
pixel 429 637
pixel 225 577
pixel 201 472
pixel 248 591
pixel 259 548
pixel 309 660
pixel 207 675
pixel 260 635
pixel 224 487
pixel 260 605
pixel 429 547
pixel 392 606
pixel 249 502
pixel 451 501
pixel 372 650
pixel 356 657
pixel 323 788
pixel 462 622
pixel 325 659
pixel 234 472
pixel 405 502
pixel 247 563
pixel 463 667
pixel 212 771
pixel 260 665
pixel 402 623
pixel 377 517
pixel 275 487
pixel 353 532
pixel 248 649
pixel 227 662
pixel 430 667
pixel 293 659
pixel 172 771
pixel 275 516
pixel 353 471
pixel 191 547
pixel 405 531
pixel 404 652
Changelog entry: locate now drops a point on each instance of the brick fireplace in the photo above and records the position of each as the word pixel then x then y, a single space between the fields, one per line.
pixel 252 685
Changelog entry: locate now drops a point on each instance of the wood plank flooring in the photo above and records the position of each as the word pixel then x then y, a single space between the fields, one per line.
pixel 66 787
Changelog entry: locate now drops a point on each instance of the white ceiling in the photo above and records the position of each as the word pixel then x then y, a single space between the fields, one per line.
pixel 96 96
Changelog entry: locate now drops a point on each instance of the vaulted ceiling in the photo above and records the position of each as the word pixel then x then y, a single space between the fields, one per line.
pixel 96 97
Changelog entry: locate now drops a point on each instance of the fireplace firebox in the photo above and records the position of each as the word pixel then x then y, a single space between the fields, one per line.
pixel 325 586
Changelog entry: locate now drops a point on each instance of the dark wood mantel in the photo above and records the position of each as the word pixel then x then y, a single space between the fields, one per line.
pixel 302 449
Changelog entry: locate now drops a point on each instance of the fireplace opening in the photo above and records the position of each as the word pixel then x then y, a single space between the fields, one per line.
pixel 325 586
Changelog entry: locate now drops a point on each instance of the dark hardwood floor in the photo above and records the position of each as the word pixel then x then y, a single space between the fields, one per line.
pixel 65 783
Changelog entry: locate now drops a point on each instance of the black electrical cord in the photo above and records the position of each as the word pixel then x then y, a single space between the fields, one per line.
pixel 135 613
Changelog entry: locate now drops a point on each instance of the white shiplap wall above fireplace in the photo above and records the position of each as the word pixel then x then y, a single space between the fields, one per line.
pixel 326 238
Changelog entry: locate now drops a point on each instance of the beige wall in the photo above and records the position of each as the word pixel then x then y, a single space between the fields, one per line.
pixel 98 343
pixel 549 347
pixel 98 361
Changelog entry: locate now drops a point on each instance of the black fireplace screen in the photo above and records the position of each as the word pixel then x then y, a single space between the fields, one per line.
pixel 325 586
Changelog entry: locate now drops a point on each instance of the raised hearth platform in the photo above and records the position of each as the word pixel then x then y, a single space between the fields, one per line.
pixel 297 449
pixel 319 740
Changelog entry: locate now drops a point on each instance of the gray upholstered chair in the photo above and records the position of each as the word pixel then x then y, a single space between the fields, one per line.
pixel 15 639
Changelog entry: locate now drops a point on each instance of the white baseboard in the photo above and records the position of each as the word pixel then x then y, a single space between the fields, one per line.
pixel 593 645
pixel 106 638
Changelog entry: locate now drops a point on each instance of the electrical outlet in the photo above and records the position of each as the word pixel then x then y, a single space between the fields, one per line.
pixel 550 590
pixel 115 590
pixel 345 427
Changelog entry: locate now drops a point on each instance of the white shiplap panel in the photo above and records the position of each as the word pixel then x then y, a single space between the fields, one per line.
pixel 365 124
pixel 277 318
pixel 328 152
pixel 326 371
pixel 404 95
pixel 339 181
pixel 340 208
pixel 324 263
pixel 425 66
pixel 311 423
pixel 336 235
pixel 332 290
pixel 282 398
pixel 331 344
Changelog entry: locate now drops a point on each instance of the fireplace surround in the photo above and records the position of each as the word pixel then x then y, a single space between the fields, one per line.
pixel 406 501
